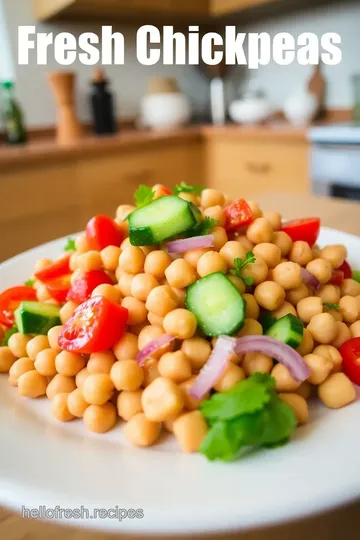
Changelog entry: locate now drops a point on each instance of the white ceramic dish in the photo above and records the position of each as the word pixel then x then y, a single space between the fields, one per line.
pixel 43 462
pixel 165 111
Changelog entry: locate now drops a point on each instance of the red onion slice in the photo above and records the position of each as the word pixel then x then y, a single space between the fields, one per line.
pixel 309 279
pixel 275 349
pixel 152 347
pixel 196 242
pixel 214 367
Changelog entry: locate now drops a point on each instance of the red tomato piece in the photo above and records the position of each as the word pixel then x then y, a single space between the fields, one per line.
pixel 102 231
pixel 58 268
pixel 96 326
pixel 59 288
pixel 84 285
pixel 346 268
pixel 306 229
pixel 237 214
pixel 160 191
pixel 10 300
pixel 337 277
pixel 350 352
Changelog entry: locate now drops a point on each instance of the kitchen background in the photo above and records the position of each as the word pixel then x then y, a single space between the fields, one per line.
pixel 49 187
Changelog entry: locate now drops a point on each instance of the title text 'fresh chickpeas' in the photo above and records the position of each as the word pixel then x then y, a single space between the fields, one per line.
pixel 180 323
pixel 76 403
pixel 18 368
pixel 284 382
pixel 129 404
pixel 211 262
pixel 32 385
pixel 323 328
pixel 211 197
pixel 350 287
pixel 298 405
pixel 259 231
pixel 283 241
pixel 288 275
pixel 45 362
pixel 142 285
pixel 332 354
pixel 190 430
pixel 335 255
pixel 127 375
pixel 258 271
pixel 35 345
pixel 257 363
pixel 17 344
pixel 161 300
pixel 349 309
pixel 197 350
pixel 68 363
pixel 60 409
pixel 321 269
pixel 141 431
pixel 337 391
pixel 132 260
pixel 100 418
pixel 301 253
pixel 274 218
pixel 60 384
pixel 308 307
pixel 180 274
pixel 320 367
pixel 98 389
pixel 175 366
pixel 232 250
pixel 269 295
pixel 270 253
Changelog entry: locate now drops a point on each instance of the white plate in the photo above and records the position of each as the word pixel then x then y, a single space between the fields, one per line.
pixel 43 462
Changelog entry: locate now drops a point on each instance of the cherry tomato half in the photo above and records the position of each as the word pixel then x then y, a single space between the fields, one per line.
pixel 10 300
pixel 337 277
pixel 237 214
pixel 102 231
pixel 350 352
pixel 84 285
pixel 58 268
pixel 59 288
pixel 96 326
pixel 306 229
pixel 346 268
pixel 160 191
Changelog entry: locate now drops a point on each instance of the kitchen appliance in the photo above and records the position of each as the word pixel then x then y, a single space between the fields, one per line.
pixel 335 160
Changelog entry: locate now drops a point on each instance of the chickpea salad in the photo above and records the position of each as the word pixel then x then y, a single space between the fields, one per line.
pixel 192 314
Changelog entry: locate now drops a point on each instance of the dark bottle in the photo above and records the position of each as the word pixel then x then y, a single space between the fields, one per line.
pixel 102 105
pixel 12 116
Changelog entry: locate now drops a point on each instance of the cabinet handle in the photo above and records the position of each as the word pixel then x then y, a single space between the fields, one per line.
pixel 258 168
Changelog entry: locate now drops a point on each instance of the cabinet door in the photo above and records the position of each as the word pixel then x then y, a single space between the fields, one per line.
pixel 143 7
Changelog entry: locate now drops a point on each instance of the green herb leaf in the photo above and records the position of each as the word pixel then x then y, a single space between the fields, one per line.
pixel 336 307
pixel 356 275
pixel 143 196
pixel 202 228
pixel 240 265
pixel 186 188
pixel 8 334
pixel 29 283
pixel 279 422
pixel 219 443
pixel 70 245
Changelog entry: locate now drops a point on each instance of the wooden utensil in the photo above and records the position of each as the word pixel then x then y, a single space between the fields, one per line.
pixel 69 129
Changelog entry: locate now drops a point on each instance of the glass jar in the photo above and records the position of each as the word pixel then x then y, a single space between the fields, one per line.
pixel 356 86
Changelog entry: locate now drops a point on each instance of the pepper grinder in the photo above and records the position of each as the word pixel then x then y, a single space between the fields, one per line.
pixel 68 129
pixel 102 105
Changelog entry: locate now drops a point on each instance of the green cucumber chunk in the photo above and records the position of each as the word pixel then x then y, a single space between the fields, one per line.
pixel 36 318
pixel 160 220
pixel 289 329
pixel 217 305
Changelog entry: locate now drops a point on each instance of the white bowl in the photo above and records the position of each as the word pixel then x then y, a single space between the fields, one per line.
pixel 164 111
pixel 250 111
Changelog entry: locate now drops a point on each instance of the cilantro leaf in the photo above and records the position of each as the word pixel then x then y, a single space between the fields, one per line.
pixel 143 196
pixel 186 188
pixel 29 283
pixel 219 443
pixel 240 265
pixel 279 422
pixel 356 275
pixel 8 334
pixel 336 307
pixel 202 228
pixel 246 397
pixel 70 245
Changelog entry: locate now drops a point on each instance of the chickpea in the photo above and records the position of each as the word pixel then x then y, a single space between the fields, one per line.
pixel 337 391
pixel 156 263
pixel 162 300
pixel 125 244
pixel 100 362
pixel 298 405
pixel 251 328
pixel 191 403
pixel 211 197
pixel 60 384
pixel 110 257
pixel 335 255
pixel 175 366
pixel 358 302
pixel 91 260
pixel 73 262
pixel 301 253
pixel 320 367
pixel 129 404
pixel 67 363
pixel 193 255
pixel 35 345
pixel 80 377
pixel 355 329
pixel 41 264
pixel 274 218
pixel 268 252
pixel 197 350
pixel 349 309
pixel 181 296
pixel 124 282
pixel 155 320
pixel 211 262
pixel 231 376
pixel 76 403
pixel 98 388
pixel 17 344
pixel 151 372
pixel 258 271
pixel 190 430
pixel 308 307
pixel 350 287
pixel 132 260
pixel 190 197
pixel 257 363
pixel 142 285
pixel 123 211
pixel 283 241
pixel 269 295
pixel 238 282
pixel 321 269
pixel 252 307
pixel 100 418
pixel 288 275
pixel 295 295
pixel 259 231
pixel 53 337
pixel 316 251
pixel 142 432
pixel 137 310
pixel 255 209
pixel 284 382
pixel 138 327
pixel 329 293
pixel 127 375
pixel 169 423
pixel 336 315
pixel 149 333
pixel 323 328
pixel 67 311
pixel 60 409
pixel 42 294
pixel 162 399
pixel 332 354
pixel 45 362
pixel 180 274
pixel 283 310
pixel 107 291
pixel 342 334
pixel 245 242
pixel 307 343
pixel 232 250
pixel 220 237
pixel 215 212
pixel 305 390
pixel 180 323
pixel 76 275
pixel 21 366
pixel 31 384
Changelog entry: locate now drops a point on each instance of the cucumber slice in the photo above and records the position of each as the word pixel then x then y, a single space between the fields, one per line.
pixel 217 305
pixel 289 329
pixel 36 318
pixel 161 219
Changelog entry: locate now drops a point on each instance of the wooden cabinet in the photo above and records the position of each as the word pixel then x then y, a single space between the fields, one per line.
pixel 223 7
